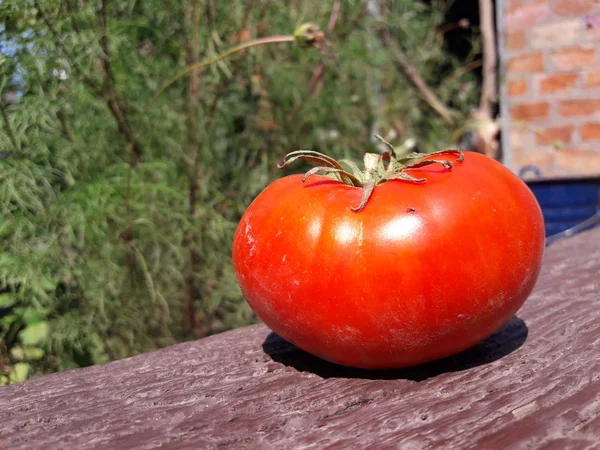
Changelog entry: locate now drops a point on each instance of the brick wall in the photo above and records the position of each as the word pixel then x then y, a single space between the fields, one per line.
pixel 551 62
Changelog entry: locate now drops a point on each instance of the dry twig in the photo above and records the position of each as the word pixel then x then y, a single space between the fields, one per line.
pixel 402 64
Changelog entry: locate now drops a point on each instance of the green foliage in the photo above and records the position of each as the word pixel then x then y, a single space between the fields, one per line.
pixel 116 226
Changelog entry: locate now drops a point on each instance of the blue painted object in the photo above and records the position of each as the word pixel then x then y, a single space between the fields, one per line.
pixel 569 205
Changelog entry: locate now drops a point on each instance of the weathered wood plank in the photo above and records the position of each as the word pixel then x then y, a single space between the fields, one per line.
pixel 535 384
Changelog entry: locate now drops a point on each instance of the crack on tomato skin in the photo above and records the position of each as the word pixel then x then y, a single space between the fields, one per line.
pixel 250 239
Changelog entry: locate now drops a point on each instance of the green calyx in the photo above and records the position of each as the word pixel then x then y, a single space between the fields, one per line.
pixel 378 168
pixel 309 34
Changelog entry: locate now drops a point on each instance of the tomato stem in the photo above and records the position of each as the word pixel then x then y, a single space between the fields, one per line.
pixel 377 168
pixel 366 195
pixel 305 35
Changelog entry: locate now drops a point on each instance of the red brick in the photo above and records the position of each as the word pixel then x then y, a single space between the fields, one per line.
pixel 591 33
pixel 590 131
pixel 515 3
pixel 516 40
pixel 520 17
pixel 572 7
pixel 555 35
pixel 559 82
pixel 574 58
pixel 516 87
pixel 530 111
pixel 554 135
pixel 591 79
pixel 533 62
pixel 580 107
pixel 519 138
pixel 581 161
pixel 543 159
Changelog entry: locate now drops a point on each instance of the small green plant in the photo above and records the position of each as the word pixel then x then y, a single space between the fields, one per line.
pixel 24 332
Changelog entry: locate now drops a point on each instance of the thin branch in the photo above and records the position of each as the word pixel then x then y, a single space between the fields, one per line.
pixel 72 15
pixel 317 76
pixel 333 17
pixel 225 82
pixel 463 70
pixel 445 28
pixel 214 59
pixel 220 89
pixel 321 69
pixel 66 131
pixel 192 51
pixel 107 90
pixel 402 64
pixel 95 86
pixel 360 15
pixel 489 88
pixel 115 103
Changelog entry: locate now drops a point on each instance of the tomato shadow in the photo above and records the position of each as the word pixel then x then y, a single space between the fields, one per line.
pixel 505 341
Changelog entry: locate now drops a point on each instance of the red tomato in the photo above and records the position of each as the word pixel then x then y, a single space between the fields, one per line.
pixel 424 271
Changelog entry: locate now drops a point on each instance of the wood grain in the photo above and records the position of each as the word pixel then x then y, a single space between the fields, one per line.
pixel 534 384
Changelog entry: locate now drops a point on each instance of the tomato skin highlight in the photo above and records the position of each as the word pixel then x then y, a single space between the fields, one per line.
pixel 423 272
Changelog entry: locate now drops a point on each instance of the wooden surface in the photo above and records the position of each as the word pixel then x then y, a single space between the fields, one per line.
pixel 535 384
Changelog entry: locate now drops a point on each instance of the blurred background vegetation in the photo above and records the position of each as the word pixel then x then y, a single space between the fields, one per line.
pixel 117 217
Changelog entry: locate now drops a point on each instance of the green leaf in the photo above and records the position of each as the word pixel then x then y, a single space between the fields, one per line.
pixel 7 300
pixel 19 372
pixel 27 353
pixel 34 334
pixel 32 316
pixel 7 321
pixel 48 284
